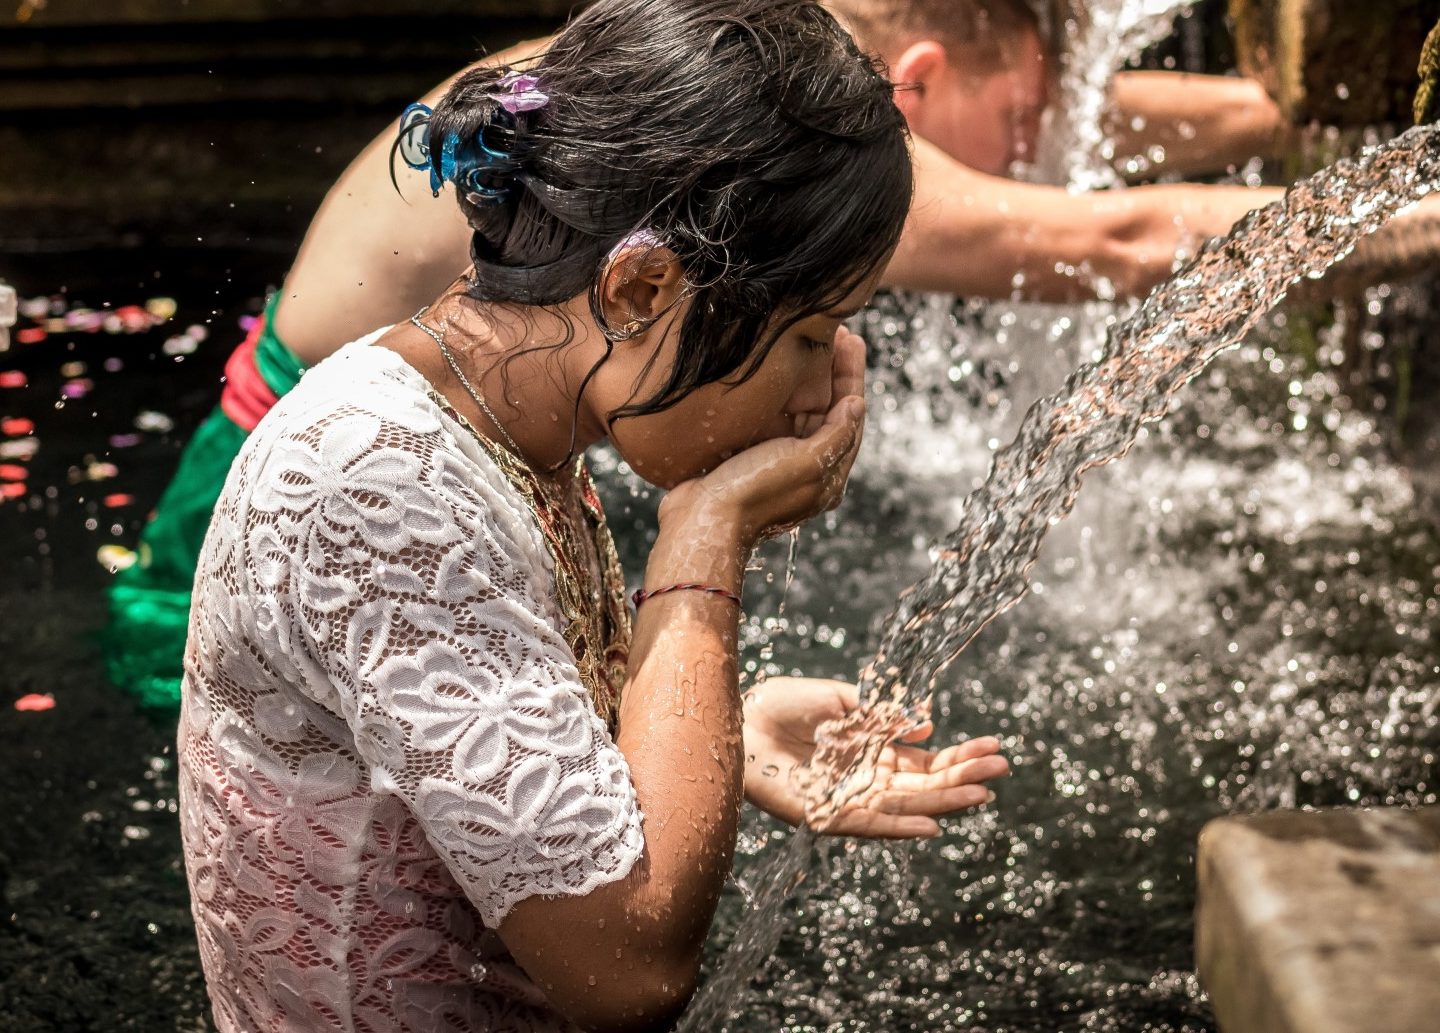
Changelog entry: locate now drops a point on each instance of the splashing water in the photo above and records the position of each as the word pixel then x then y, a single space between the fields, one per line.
pixel 984 565
pixel 1183 325
pixel 1073 148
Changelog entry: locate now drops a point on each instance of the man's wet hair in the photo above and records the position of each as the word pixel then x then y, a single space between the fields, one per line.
pixel 981 33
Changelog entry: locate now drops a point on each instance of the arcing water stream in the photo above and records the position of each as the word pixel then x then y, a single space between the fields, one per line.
pixel 1185 323
pixel 981 569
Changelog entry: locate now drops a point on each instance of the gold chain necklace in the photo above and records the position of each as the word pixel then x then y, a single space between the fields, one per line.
pixel 597 628
pixel 439 339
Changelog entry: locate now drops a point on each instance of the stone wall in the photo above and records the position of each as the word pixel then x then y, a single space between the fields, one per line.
pixel 63 13
pixel 1321 921
pixel 130 123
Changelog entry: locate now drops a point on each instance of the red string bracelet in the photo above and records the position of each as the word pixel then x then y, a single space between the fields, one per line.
pixel 688 586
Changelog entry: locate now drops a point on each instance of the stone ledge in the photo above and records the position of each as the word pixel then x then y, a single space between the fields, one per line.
pixel 71 13
pixel 1322 921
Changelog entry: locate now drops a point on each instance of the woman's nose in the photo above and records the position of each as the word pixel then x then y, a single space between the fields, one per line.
pixel 813 397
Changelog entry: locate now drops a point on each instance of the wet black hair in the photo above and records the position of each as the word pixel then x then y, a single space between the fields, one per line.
pixel 752 137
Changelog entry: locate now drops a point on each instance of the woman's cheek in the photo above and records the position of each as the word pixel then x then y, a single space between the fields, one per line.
pixel 664 453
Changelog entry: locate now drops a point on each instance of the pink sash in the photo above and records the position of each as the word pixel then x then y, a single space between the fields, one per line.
pixel 246 398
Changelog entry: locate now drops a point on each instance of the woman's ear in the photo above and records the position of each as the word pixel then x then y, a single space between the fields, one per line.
pixel 917 73
pixel 642 283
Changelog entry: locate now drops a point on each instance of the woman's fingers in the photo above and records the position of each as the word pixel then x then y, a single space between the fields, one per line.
pixel 970 772
pixel 840 433
pixel 933 803
pixel 808 424
pixel 915 786
pixel 849 365
pixel 896 815
pixel 847 380
pixel 913 758
pixel 835 446
pixel 984 746
pixel 878 825
pixel 919 733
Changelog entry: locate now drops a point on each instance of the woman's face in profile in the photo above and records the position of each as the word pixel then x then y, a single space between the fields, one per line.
pixel 787 396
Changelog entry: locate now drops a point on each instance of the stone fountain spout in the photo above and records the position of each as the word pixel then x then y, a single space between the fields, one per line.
pixel 1335 61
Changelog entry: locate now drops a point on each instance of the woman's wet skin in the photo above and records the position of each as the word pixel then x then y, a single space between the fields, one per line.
pixel 813 364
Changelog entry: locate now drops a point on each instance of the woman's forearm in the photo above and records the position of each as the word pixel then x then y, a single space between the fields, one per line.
pixel 680 726
pixel 680 731
pixel 639 940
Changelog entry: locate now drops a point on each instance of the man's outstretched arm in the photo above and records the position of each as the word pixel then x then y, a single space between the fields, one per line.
pixel 986 237
pixel 1201 123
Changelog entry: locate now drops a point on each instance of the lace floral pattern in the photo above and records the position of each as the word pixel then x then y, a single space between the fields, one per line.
pixel 384 741
pixel 596 613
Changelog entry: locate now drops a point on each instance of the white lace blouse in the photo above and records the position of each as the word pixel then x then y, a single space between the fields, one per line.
pixel 384 741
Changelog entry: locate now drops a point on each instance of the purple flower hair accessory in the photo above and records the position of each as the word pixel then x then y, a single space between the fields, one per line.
pixel 520 91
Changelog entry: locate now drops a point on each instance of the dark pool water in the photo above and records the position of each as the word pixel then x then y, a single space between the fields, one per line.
pixel 97 932
pixel 1239 616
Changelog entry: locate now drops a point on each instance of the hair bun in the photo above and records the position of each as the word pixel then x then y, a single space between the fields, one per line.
pixel 484 165
pixel 752 136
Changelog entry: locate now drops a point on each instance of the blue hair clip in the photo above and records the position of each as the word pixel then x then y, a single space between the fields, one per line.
pixel 489 151
pixel 446 171
pixel 415 136
pixel 475 183
pixel 414 142
pixel 459 163
pixel 479 192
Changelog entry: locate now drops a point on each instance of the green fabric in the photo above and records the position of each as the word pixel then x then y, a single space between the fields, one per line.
pixel 150 601
pixel 278 365
pixel 144 643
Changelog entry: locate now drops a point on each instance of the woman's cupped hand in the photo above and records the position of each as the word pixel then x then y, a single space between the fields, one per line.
pixel 896 789
pixel 781 482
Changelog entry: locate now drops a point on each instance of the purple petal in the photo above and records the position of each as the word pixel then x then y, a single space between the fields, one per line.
pixel 518 83
pixel 530 100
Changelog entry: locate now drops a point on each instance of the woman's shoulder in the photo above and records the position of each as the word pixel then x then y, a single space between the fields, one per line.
pixel 365 423
pixel 361 374
pixel 364 391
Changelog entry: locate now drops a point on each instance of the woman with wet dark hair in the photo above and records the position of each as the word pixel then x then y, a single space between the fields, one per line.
pixel 429 777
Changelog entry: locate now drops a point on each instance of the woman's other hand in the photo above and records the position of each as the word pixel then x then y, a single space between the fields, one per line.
pixel 911 786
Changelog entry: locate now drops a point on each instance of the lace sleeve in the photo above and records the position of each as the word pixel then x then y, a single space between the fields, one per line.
pixel 410 590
